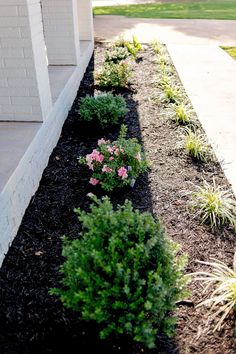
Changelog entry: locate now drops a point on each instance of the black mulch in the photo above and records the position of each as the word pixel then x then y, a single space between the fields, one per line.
pixel 32 321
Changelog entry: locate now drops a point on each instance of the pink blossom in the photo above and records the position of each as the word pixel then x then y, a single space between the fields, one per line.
pixel 111 158
pixel 138 157
pixel 90 166
pixel 106 169
pixel 122 172
pixel 94 181
pixel 101 142
pixel 110 149
pixel 100 158
pixel 94 156
pixel 116 152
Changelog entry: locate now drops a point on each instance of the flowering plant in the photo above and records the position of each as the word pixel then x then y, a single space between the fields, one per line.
pixel 116 164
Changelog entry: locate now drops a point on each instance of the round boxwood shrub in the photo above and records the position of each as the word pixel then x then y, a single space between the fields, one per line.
pixel 105 109
pixel 122 272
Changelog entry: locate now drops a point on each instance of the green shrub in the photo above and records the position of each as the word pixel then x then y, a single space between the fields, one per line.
pixel 106 109
pixel 214 205
pixel 116 54
pixel 123 273
pixel 116 164
pixel 114 75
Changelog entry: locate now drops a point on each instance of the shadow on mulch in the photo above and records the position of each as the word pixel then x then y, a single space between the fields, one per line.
pixel 31 320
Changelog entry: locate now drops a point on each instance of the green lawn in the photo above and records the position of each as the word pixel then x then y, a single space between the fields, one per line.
pixel 231 51
pixel 203 9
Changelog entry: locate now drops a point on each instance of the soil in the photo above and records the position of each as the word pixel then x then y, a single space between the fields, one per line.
pixel 31 320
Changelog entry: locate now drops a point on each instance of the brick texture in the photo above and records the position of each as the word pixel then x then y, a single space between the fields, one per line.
pixel 23 65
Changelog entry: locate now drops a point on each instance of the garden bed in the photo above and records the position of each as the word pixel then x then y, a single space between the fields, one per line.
pixel 31 320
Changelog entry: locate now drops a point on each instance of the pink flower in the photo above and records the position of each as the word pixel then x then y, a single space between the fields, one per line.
pixel 101 142
pixel 122 172
pixel 116 152
pixel 94 181
pixel 138 157
pixel 110 149
pixel 106 169
pixel 90 166
pixel 94 156
pixel 100 158
pixel 111 158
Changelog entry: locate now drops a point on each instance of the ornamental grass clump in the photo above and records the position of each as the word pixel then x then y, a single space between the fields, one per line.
pixel 114 75
pixel 171 94
pixel 105 109
pixel 214 205
pixel 116 54
pixel 182 114
pixel 222 301
pixel 116 164
pixel 123 273
pixel 196 146
pixel 157 47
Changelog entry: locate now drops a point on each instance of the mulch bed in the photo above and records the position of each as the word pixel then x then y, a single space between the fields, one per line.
pixel 31 321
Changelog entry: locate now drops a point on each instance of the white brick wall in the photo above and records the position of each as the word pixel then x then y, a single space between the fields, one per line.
pixel 24 182
pixel 85 19
pixel 61 31
pixel 23 65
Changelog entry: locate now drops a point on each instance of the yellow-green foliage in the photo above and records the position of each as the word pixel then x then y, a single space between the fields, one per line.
pixel 223 296
pixel 214 205
pixel 196 146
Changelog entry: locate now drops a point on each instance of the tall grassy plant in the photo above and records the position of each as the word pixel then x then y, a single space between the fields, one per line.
pixel 196 146
pixel 214 205
pixel 223 296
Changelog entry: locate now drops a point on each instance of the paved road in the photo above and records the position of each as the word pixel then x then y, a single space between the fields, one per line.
pixel 167 31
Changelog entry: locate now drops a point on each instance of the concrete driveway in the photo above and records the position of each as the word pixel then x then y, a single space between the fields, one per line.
pixel 167 31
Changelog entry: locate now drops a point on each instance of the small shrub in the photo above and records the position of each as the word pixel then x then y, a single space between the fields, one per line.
pixel 106 109
pixel 133 48
pixel 196 146
pixel 114 75
pixel 123 273
pixel 223 297
pixel 116 164
pixel 214 205
pixel 182 114
pixel 116 54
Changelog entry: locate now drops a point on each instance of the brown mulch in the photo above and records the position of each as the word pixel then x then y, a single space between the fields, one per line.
pixel 33 321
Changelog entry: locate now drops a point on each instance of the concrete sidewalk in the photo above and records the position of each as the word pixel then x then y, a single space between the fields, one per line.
pixel 166 31
pixel 209 76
